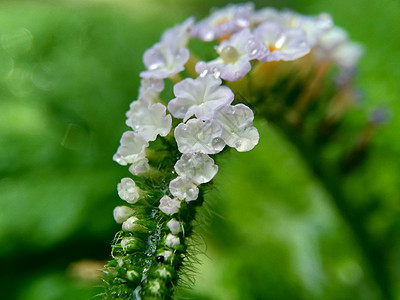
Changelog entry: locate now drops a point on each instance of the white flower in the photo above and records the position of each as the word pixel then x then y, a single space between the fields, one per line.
pixel 313 27
pixel 167 254
pixel 199 167
pixel 174 226
pixel 183 188
pixel 282 43
pixel 334 45
pixel 128 225
pixel 149 120
pixel 149 90
pixel 169 206
pixel 164 60
pixel 132 148
pixel 122 213
pixel 128 191
pixel 172 241
pixel 140 166
pixel 179 34
pixel 238 130
pixel 199 136
pixel 347 55
pixel 223 22
pixel 331 39
pixel 267 14
pixel 200 97
pixel 234 58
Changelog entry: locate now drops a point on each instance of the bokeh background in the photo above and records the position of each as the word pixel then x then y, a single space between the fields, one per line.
pixel 68 71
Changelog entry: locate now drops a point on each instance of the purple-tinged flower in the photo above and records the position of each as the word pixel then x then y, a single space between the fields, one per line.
pixel 224 21
pixel 238 130
pixel 179 35
pixel 169 206
pixel 198 167
pixel 164 60
pixel 199 136
pixel 282 43
pixel 131 149
pixel 234 58
pixel 149 120
pixel 183 188
pixel 200 97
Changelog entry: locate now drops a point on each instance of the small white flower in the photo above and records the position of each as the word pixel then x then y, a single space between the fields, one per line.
pixel 169 206
pixel 140 166
pixel 334 45
pixel 238 130
pixel 313 27
pixel 347 55
pixel 128 191
pixel 199 167
pixel 149 120
pixel 282 43
pixel 234 58
pixel 132 148
pixel 130 243
pixel 174 226
pixel 172 241
pixel 328 41
pixel 223 22
pixel 183 188
pixel 163 272
pixel 122 213
pixel 166 253
pixel 128 225
pixel 200 97
pixel 199 136
pixel 179 34
pixel 267 14
pixel 164 60
pixel 149 90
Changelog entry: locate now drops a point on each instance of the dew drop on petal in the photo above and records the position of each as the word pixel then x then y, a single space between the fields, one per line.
pixel 204 73
pixel 253 48
pixel 229 54
pixel 217 143
pixel 216 72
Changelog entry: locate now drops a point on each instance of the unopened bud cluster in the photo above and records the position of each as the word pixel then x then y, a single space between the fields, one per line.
pixel 171 145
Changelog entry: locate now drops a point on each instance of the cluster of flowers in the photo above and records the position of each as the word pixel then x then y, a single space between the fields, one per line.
pixel 204 104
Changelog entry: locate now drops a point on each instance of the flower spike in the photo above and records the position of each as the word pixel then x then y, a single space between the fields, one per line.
pixel 273 62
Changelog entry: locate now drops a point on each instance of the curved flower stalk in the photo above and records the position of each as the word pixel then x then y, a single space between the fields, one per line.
pixel 294 70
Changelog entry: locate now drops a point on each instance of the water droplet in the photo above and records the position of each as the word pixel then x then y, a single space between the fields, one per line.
pixel 216 72
pixel 229 54
pixel 218 144
pixel 204 73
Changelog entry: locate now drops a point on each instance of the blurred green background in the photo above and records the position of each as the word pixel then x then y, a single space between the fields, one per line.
pixel 68 71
